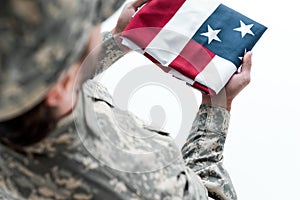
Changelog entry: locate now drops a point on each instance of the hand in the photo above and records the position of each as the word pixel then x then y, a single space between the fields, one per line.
pixel 234 86
pixel 125 17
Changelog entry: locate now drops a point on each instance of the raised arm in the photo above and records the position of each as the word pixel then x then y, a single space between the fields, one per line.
pixel 203 151
pixel 112 48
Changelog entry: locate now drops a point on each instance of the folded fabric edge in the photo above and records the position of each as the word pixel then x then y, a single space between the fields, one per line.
pixel 197 85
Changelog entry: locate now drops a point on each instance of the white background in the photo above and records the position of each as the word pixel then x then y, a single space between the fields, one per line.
pixel 263 144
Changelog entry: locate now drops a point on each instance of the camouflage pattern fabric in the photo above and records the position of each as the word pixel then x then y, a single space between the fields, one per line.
pixel 203 151
pixel 110 52
pixel 102 152
pixel 38 40
pixel 105 8
pixel 84 159
pixel 106 153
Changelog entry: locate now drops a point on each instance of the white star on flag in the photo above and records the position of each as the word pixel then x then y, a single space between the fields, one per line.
pixel 212 34
pixel 244 29
pixel 204 51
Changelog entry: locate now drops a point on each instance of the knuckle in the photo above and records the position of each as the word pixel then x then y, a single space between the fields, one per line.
pixel 246 80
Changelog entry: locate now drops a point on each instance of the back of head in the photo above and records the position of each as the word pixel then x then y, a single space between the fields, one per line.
pixel 38 40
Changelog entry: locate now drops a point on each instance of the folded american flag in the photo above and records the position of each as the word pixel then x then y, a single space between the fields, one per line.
pixel 199 41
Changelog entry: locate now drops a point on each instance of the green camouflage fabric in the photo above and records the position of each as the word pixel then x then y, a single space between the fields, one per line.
pixel 38 40
pixel 105 8
pixel 110 52
pixel 102 152
pixel 99 156
pixel 203 151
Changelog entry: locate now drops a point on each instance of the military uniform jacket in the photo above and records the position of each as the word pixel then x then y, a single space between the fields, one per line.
pixel 102 152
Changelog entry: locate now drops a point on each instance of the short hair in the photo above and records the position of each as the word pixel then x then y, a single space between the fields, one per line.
pixel 30 127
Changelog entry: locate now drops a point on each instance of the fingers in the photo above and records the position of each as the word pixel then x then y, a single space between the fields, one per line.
pixel 138 3
pixel 244 75
pixel 247 62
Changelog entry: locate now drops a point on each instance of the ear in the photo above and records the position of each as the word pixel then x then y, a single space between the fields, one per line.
pixel 57 94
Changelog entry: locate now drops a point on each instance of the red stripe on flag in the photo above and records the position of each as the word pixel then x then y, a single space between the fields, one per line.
pixel 147 24
pixel 165 69
pixel 204 89
pixel 151 58
pixel 192 59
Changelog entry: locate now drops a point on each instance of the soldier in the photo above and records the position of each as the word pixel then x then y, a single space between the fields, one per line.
pixel 53 147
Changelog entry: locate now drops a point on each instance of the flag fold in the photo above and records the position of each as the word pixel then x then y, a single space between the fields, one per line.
pixel 201 42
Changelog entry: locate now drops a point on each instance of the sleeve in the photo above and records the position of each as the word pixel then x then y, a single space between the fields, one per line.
pixel 110 52
pixel 203 151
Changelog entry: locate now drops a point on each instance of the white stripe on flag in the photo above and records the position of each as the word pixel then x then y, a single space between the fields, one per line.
pixel 131 45
pixel 216 74
pixel 187 20
pixel 181 76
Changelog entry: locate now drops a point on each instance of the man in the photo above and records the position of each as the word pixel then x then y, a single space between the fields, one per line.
pixel 56 147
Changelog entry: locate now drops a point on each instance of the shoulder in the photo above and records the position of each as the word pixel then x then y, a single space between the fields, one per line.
pixel 120 139
pixel 96 91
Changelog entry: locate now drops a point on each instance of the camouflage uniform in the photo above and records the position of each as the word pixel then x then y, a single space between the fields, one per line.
pixel 102 152
pixel 81 160
pixel 38 40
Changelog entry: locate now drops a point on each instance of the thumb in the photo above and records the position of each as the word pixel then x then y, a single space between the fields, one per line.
pixel 247 62
pixel 138 3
